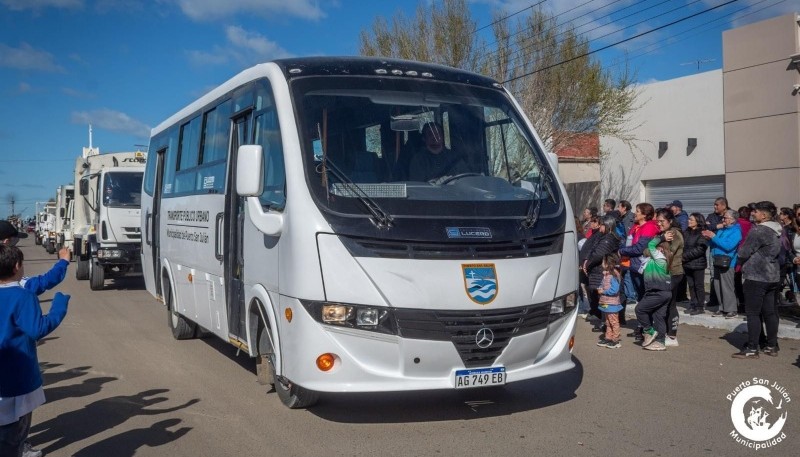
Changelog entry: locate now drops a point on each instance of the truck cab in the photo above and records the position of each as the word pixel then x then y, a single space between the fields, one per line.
pixel 107 233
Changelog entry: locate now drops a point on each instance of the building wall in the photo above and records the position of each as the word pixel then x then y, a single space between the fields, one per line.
pixel 761 115
pixel 672 111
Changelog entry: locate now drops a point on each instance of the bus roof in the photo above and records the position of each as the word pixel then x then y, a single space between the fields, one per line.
pixel 335 66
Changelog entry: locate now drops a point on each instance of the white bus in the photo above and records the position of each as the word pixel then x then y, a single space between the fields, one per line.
pixel 284 212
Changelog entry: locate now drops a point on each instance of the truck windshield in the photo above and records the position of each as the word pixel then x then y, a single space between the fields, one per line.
pixel 420 148
pixel 122 189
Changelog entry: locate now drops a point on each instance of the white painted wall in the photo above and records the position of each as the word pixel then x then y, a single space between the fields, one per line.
pixel 671 111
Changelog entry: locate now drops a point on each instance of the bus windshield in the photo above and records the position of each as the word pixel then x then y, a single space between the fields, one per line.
pixel 122 189
pixel 419 148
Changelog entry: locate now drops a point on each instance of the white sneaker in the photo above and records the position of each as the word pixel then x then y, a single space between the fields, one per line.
pixel 29 451
pixel 671 341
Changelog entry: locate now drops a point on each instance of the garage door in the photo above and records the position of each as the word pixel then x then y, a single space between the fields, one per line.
pixel 696 194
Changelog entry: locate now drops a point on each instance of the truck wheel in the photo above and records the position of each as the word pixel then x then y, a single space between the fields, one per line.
pixel 51 249
pixel 37 240
pixel 82 268
pixel 97 275
pixel 291 395
pixel 182 328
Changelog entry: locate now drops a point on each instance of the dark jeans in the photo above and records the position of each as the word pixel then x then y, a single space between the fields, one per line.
pixel 13 435
pixel 672 308
pixel 682 294
pixel 697 287
pixel 638 284
pixel 760 299
pixel 739 289
pixel 651 311
pixel 594 303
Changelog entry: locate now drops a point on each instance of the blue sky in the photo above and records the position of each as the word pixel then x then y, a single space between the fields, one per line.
pixel 126 65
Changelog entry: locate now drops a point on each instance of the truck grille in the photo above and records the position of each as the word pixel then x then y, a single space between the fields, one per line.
pixel 461 327
pixel 532 247
pixel 132 233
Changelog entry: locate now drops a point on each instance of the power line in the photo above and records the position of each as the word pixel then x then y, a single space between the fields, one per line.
pixel 622 60
pixel 589 41
pixel 506 17
pixel 586 54
pixel 487 53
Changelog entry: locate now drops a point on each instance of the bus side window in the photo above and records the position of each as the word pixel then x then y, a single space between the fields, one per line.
pixel 267 134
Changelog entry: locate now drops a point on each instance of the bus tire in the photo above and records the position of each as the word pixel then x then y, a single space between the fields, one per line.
pixel 37 241
pixel 291 395
pixel 182 328
pixel 51 249
pixel 97 277
pixel 81 269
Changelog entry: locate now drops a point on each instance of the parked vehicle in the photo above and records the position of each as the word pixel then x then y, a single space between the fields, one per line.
pixel 279 215
pixel 106 215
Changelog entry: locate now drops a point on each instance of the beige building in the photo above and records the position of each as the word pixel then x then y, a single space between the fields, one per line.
pixel 761 80
pixel 732 132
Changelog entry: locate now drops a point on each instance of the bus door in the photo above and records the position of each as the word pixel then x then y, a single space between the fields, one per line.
pixel 230 247
pixel 153 225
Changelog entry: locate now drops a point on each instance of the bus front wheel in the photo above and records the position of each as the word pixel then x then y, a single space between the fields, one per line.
pixel 291 395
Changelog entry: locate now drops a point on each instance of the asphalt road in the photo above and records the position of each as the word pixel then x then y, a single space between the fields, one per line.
pixel 118 385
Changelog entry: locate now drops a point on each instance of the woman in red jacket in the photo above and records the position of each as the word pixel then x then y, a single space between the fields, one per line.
pixel 644 229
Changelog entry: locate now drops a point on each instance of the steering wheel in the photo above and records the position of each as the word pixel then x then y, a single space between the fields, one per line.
pixel 450 179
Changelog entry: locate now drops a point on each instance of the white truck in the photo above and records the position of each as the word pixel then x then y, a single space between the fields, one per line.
pixel 45 221
pixel 107 236
pixel 63 219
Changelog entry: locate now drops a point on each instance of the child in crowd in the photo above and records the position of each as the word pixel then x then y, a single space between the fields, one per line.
pixel 610 301
pixel 652 308
pixel 21 325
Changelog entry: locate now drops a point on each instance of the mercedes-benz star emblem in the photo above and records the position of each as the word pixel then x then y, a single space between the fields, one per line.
pixel 484 338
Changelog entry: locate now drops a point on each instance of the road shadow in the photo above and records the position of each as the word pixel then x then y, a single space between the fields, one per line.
pixel 127 443
pixel 735 339
pixel 85 388
pixel 97 417
pixel 241 358
pixel 44 341
pixel 446 405
pixel 125 283
pixel 54 377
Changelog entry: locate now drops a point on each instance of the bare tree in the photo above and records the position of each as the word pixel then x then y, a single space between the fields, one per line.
pixel 562 90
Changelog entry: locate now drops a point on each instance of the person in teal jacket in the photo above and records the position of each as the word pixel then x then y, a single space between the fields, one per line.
pixel 725 242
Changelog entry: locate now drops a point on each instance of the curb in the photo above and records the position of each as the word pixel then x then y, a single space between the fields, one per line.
pixel 787 328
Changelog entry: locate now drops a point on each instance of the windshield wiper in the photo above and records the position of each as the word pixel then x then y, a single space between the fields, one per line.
pixel 532 216
pixel 380 217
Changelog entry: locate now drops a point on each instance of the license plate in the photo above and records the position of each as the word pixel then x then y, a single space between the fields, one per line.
pixel 480 377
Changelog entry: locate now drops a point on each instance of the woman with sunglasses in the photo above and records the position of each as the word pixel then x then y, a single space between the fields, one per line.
pixel 671 231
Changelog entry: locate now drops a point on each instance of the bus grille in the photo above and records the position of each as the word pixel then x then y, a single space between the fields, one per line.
pixel 532 247
pixel 461 327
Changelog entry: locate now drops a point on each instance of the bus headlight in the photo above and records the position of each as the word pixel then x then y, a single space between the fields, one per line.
pixel 564 305
pixel 372 318
pixel 336 314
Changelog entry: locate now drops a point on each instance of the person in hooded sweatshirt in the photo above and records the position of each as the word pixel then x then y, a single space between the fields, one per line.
pixel 761 272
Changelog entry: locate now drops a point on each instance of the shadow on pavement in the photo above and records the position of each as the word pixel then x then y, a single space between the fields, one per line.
pixel 124 283
pixel 127 443
pixel 54 377
pixel 87 387
pixel 97 417
pixel 445 405
pixel 735 339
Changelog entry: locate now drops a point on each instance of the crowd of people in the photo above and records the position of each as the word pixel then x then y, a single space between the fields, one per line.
pixel 654 258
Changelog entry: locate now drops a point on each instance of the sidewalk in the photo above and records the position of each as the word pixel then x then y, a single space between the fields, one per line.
pixel 789 320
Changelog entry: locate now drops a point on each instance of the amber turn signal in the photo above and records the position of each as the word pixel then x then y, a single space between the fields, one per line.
pixel 288 313
pixel 325 362
pixel 571 343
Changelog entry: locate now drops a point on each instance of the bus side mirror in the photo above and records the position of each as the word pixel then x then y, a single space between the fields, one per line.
pixel 553 157
pixel 250 171
pixel 83 187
